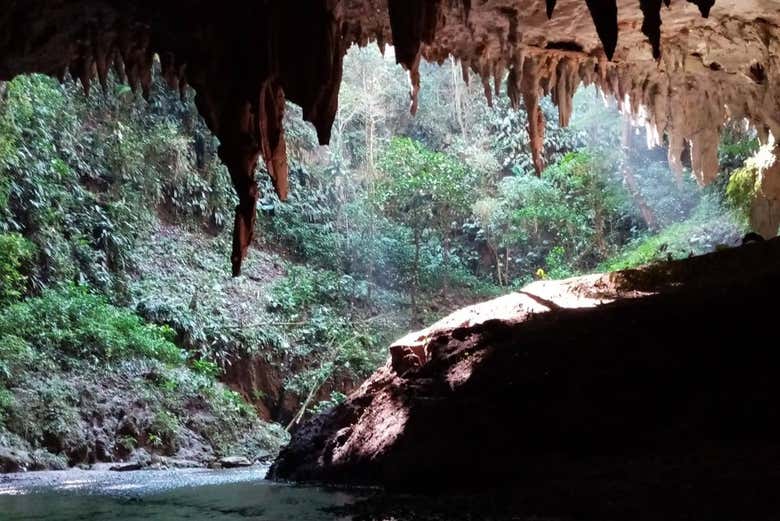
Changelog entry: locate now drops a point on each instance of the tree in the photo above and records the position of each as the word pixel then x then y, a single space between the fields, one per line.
pixel 426 191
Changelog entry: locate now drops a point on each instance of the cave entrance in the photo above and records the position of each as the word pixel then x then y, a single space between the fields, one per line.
pixel 235 243
pixel 399 221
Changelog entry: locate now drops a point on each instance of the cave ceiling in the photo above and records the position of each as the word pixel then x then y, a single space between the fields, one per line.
pixel 685 66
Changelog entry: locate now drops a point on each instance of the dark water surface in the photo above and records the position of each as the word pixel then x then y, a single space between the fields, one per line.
pixel 165 495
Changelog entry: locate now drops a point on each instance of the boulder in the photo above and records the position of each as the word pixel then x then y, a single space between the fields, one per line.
pixel 13 460
pixel 264 457
pixel 230 462
pixel 625 380
pixel 127 467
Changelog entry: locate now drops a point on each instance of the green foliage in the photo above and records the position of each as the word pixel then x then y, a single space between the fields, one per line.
pixel 85 211
pixel 742 188
pixel 511 141
pixel 316 304
pixel 737 145
pixel 6 403
pixel 128 443
pixel 304 287
pixel 232 402
pixel 16 355
pixel 707 228
pixel 428 192
pixel 557 265
pixel 82 179
pixel 45 413
pixel 163 431
pixel 182 399
pixel 306 224
pixel 423 188
pixel 564 222
pixel 114 194
pixel 16 253
pixel 336 398
pixel 206 368
pixel 75 324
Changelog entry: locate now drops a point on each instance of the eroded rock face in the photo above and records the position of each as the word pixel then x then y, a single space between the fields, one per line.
pixel 246 58
pixel 599 374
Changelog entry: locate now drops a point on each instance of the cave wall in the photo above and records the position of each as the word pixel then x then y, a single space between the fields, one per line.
pixel 683 66
pixel 765 212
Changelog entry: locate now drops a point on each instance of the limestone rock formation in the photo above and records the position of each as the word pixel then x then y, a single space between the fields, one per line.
pixel 765 212
pixel 684 68
pixel 642 375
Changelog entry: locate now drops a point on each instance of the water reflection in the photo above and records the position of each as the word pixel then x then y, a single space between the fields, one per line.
pixel 127 498
pixel 196 495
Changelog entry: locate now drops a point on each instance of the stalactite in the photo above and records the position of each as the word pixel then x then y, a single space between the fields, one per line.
pixel 412 24
pixel 704 6
pixel 414 85
pixel 487 90
pixel 168 70
pixel 101 49
pixel 765 211
pixel 271 132
pixel 566 85
pixel 464 69
pixel 513 88
pixel 651 25
pixel 498 77
pixel 244 62
pixel 550 7
pixel 704 155
pixel 466 9
pixel 604 14
pixel 315 84
pixel 239 152
pixel 529 86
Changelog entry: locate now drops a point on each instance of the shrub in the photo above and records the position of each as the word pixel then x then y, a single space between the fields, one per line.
pixel 74 324
pixel 206 368
pixel 15 355
pixel 708 227
pixel 45 414
pixel 16 252
pixel 742 189
pixel 164 431
pixel 6 402
pixel 557 265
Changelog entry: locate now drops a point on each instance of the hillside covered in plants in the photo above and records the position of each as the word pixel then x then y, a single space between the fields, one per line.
pixel 123 335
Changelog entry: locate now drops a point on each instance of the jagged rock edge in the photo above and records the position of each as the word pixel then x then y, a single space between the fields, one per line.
pixel 246 114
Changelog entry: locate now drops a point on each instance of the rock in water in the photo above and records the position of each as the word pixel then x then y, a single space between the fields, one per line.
pixel 231 462
pixel 127 467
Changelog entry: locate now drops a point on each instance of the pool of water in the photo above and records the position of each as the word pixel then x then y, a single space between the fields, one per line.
pixel 166 495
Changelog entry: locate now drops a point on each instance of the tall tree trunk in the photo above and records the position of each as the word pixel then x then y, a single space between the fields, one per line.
pixel 497 257
pixel 370 132
pixel 371 234
pixel 506 268
pixel 633 187
pixel 445 254
pixel 599 225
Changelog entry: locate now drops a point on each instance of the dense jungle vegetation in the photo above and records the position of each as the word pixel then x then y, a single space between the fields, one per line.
pixel 122 332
